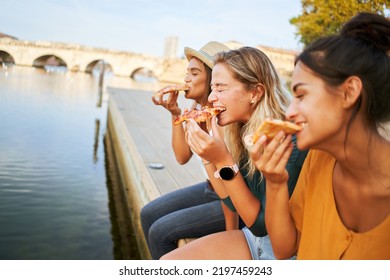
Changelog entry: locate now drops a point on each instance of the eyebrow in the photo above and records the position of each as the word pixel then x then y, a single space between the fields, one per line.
pixel 194 69
pixel 297 85
pixel 218 84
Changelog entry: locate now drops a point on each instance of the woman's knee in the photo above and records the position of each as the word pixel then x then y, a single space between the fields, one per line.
pixel 146 219
pixel 159 232
pixel 145 213
pixel 149 214
pixel 223 245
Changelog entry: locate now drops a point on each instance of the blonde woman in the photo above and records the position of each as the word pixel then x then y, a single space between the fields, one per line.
pixel 246 84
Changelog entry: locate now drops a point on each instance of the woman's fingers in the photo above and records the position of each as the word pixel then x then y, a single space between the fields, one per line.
pixel 215 128
pixel 172 98
pixel 279 145
pixel 271 158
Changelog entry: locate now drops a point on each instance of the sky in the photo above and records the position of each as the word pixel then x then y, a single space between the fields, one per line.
pixel 142 26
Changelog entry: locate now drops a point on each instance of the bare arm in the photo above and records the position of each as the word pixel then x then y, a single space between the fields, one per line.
pixel 180 147
pixel 280 226
pixel 231 218
pixel 272 163
pixel 213 149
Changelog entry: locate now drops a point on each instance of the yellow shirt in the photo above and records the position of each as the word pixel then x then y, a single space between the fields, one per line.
pixel 323 234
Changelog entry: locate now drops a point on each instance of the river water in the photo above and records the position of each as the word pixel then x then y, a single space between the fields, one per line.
pixel 54 180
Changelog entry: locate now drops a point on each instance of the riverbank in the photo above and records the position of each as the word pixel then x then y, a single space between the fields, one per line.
pixel 140 133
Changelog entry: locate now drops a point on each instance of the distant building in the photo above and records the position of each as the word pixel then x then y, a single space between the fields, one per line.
pixel 233 45
pixel 170 50
pixel 282 59
pixel 3 35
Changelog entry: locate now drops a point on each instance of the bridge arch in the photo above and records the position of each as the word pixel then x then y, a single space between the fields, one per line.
pixel 97 63
pixel 49 60
pixel 6 58
pixel 143 74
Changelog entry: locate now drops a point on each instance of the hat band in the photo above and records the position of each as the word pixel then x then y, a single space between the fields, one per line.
pixel 206 54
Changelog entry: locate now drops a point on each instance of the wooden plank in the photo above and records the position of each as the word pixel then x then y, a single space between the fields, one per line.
pixel 150 129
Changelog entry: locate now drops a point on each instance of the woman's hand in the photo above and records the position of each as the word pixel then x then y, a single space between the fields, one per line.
pixel 271 158
pixel 210 148
pixel 170 104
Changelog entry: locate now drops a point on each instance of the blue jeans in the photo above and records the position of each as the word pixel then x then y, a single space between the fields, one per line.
pixel 189 212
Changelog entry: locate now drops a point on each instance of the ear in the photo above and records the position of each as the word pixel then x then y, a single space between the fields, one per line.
pixel 258 93
pixel 352 88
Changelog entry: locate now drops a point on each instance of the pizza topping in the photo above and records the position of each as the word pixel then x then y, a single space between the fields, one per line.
pixel 199 116
pixel 270 128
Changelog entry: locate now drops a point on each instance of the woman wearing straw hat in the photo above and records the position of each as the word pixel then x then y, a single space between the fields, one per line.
pixel 192 211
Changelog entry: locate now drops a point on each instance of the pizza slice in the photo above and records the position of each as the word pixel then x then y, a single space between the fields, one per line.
pixel 199 115
pixel 171 88
pixel 270 128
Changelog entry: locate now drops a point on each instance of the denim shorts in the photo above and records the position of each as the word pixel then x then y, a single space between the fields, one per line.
pixel 260 247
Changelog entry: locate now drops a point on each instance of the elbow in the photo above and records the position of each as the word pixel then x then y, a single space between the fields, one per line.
pixel 282 255
pixel 181 161
pixel 182 157
pixel 283 252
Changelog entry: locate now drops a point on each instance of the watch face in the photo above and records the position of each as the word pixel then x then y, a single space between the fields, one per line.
pixel 226 173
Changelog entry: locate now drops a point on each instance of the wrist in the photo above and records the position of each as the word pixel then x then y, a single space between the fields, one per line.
pixel 227 172
pixel 174 116
pixel 226 162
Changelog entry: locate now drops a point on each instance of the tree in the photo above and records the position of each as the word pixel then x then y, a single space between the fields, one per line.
pixel 325 17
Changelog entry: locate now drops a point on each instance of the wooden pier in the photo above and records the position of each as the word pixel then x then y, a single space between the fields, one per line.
pixel 140 133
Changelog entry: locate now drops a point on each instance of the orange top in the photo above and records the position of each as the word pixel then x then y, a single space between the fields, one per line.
pixel 323 234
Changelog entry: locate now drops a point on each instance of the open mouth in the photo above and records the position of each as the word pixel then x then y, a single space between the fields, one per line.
pixel 218 110
pixel 302 124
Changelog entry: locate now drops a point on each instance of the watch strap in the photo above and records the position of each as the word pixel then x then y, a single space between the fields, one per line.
pixel 234 167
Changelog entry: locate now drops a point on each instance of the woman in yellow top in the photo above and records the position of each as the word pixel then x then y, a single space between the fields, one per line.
pixel 341 203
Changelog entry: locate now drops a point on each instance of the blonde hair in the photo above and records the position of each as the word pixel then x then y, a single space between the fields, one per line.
pixel 252 68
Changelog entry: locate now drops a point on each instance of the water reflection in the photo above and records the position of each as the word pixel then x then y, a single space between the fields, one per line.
pixel 96 143
pixel 55 69
pixel 55 175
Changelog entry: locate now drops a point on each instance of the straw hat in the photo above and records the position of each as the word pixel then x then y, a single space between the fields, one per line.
pixel 206 53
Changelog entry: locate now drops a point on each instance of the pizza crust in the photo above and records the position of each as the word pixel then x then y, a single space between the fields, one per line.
pixel 171 88
pixel 270 128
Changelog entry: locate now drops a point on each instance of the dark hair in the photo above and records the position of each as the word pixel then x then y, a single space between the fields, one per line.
pixel 361 49
pixel 208 79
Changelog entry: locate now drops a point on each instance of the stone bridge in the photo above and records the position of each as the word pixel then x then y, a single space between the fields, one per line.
pixel 84 59
pixel 121 63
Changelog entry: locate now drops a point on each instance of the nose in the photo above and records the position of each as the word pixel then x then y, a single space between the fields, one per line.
pixel 187 78
pixel 212 97
pixel 292 110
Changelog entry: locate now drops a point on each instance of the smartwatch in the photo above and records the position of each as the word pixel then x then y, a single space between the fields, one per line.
pixel 227 172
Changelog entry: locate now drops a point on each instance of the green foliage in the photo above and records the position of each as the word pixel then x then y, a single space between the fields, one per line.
pixel 325 17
